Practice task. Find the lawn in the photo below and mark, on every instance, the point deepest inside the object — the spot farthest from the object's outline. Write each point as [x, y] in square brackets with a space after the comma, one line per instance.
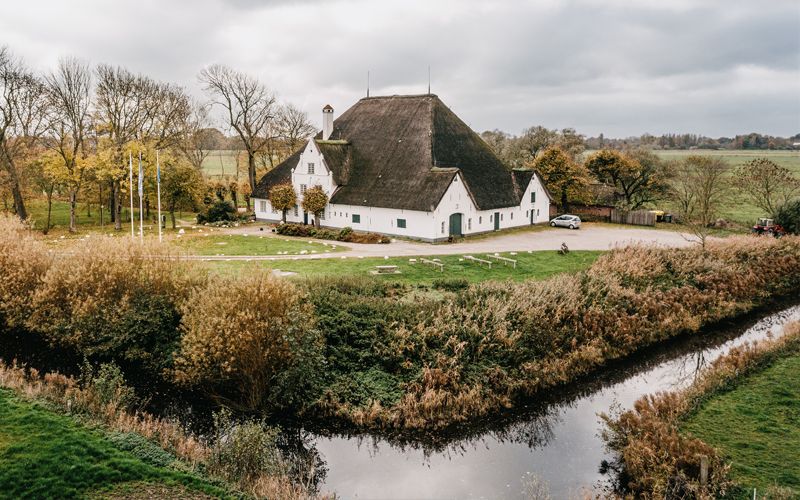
[533, 265]
[47, 455]
[240, 244]
[757, 427]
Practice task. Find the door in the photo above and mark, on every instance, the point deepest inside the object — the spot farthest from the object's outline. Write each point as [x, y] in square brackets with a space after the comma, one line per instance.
[455, 225]
[533, 216]
[305, 217]
[497, 221]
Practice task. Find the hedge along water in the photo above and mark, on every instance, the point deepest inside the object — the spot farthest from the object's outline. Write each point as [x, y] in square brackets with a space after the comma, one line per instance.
[557, 442]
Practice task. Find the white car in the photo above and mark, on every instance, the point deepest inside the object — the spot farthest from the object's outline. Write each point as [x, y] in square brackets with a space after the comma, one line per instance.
[566, 220]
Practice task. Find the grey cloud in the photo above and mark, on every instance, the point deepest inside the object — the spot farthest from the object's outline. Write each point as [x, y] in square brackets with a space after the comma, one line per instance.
[611, 66]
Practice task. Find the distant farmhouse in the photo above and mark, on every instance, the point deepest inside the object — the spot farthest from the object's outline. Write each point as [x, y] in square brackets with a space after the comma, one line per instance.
[406, 166]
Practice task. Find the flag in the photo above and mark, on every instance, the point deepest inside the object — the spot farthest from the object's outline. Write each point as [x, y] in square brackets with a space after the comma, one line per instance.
[158, 170]
[141, 177]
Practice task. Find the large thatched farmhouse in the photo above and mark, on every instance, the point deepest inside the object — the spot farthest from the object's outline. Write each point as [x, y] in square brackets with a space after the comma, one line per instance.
[406, 166]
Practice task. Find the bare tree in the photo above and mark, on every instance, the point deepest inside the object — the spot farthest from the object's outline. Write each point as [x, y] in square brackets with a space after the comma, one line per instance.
[250, 108]
[767, 184]
[700, 189]
[197, 140]
[22, 120]
[70, 122]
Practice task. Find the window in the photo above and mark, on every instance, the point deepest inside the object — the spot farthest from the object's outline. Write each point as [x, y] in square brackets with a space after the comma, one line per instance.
[512, 215]
[302, 188]
[491, 217]
[322, 215]
[533, 196]
[480, 220]
[356, 219]
[526, 214]
[501, 216]
[262, 206]
[310, 168]
[401, 223]
[469, 224]
[296, 210]
[442, 227]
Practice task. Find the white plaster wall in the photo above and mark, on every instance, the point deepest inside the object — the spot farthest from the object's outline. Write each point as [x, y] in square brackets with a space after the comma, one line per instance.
[428, 226]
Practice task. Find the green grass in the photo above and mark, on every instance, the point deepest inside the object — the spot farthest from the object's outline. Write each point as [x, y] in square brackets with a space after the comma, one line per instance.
[757, 427]
[223, 162]
[238, 244]
[47, 455]
[59, 218]
[534, 265]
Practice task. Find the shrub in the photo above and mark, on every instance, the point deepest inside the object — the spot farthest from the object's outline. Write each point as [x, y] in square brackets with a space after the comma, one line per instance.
[242, 451]
[788, 216]
[249, 340]
[113, 301]
[108, 384]
[23, 263]
[345, 234]
[218, 211]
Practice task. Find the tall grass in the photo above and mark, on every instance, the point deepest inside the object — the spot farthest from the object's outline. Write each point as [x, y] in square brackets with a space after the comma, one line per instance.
[481, 350]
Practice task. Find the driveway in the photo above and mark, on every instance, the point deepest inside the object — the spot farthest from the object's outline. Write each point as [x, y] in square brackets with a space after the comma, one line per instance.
[589, 237]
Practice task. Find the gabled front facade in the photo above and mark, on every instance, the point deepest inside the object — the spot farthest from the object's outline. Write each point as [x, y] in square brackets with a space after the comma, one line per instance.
[377, 183]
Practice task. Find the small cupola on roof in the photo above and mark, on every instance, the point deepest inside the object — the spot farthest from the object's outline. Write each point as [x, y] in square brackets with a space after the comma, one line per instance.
[327, 122]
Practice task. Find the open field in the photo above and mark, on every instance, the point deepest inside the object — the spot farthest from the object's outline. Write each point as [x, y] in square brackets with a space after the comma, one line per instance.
[738, 209]
[47, 455]
[243, 244]
[757, 427]
[530, 265]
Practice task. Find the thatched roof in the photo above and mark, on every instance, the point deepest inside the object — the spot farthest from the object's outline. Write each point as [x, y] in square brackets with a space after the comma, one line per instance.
[403, 152]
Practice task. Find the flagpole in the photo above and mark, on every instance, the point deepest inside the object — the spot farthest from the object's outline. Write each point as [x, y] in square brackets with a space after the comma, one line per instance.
[141, 195]
[130, 188]
[158, 189]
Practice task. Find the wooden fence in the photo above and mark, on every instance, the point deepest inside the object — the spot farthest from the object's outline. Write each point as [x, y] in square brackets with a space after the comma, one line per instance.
[636, 218]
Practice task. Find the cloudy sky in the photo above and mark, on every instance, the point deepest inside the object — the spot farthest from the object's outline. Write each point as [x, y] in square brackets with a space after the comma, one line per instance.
[613, 66]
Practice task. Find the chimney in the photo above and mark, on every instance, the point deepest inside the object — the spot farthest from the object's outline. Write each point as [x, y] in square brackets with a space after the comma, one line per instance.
[327, 122]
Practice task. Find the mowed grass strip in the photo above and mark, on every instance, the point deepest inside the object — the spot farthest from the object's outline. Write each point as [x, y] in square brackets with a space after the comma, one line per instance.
[534, 265]
[239, 244]
[47, 455]
[757, 427]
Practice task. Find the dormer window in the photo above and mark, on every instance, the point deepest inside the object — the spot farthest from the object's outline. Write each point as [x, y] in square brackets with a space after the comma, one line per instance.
[310, 168]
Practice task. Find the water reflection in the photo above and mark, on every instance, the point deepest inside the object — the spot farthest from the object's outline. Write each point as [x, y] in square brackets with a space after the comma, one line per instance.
[554, 438]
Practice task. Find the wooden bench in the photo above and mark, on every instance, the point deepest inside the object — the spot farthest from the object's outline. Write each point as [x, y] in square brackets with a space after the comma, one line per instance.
[434, 263]
[505, 260]
[386, 269]
[478, 261]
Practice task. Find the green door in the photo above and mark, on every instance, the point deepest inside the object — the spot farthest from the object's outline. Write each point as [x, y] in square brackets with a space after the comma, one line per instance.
[497, 221]
[455, 225]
